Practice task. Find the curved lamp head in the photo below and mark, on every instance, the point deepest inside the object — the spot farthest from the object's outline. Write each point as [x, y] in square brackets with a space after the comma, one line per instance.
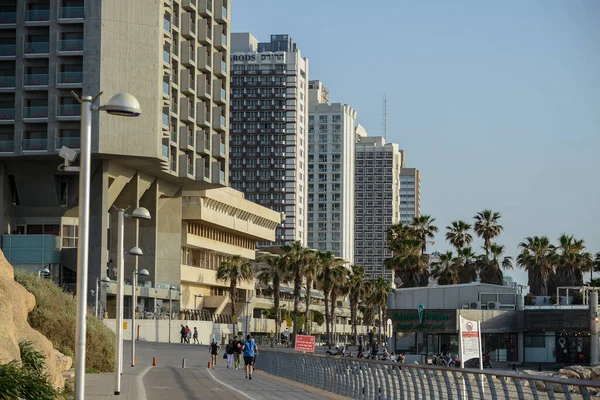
[105, 279]
[45, 270]
[136, 251]
[173, 287]
[144, 272]
[123, 104]
[141, 213]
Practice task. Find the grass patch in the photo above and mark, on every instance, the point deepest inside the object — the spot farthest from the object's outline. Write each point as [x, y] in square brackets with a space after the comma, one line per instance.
[54, 317]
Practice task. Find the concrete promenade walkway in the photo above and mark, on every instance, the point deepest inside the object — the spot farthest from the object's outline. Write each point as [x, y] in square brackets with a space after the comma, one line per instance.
[168, 380]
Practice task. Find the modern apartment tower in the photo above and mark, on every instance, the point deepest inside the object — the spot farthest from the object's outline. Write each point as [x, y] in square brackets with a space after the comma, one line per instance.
[377, 177]
[173, 56]
[269, 114]
[410, 194]
[331, 153]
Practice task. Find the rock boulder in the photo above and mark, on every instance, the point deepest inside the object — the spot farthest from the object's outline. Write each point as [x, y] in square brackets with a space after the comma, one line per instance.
[15, 305]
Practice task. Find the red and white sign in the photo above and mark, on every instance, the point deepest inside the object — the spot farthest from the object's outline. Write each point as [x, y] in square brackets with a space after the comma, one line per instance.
[305, 343]
[470, 340]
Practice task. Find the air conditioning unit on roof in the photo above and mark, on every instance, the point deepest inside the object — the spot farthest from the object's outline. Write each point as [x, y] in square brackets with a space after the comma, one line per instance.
[493, 305]
[475, 305]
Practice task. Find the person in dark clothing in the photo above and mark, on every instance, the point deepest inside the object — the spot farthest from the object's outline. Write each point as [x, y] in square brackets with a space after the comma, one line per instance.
[237, 352]
[230, 350]
[183, 334]
[214, 351]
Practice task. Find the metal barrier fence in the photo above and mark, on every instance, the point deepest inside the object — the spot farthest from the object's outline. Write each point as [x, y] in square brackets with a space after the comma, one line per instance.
[378, 380]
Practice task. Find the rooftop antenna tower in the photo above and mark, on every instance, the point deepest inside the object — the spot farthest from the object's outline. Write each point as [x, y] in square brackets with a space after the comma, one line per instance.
[384, 117]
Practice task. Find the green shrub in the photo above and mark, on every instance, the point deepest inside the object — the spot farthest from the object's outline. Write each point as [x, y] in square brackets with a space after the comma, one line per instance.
[23, 383]
[31, 359]
[54, 317]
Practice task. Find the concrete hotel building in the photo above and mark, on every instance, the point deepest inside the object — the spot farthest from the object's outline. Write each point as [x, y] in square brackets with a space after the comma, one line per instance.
[331, 145]
[410, 194]
[377, 204]
[174, 57]
[269, 113]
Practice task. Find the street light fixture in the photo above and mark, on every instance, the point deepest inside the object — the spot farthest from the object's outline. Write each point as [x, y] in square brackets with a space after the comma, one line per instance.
[136, 251]
[171, 288]
[45, 270]
[104, 279]
[121, 104]
[138, 213]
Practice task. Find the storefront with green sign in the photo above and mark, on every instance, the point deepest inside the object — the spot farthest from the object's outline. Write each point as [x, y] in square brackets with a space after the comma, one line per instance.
[423, 331]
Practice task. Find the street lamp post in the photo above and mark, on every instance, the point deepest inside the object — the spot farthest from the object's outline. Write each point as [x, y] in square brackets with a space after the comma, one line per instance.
[594, 327]
[122, 104]
[144, 272]
[247, 316]
[171, 288]
[138, 213]
[105, 279]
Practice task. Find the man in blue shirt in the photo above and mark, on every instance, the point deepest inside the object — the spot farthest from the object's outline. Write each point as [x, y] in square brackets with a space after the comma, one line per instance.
[250, 351]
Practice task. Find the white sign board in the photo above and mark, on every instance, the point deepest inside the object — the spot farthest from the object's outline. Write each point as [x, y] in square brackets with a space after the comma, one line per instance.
[470, 341]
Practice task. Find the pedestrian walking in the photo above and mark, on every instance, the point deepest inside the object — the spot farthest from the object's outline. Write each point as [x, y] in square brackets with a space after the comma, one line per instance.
[214, 352]
[196, 336]
[188, 334]
[237, 352]
[183, 334]
[230, 350]
[250, 352]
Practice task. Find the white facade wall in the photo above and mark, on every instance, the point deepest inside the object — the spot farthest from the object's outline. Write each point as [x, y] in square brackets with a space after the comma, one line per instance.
[377, 176]
[331, 149]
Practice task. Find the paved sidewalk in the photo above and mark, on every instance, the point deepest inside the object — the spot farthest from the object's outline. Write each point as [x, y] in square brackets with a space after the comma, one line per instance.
[102, 386]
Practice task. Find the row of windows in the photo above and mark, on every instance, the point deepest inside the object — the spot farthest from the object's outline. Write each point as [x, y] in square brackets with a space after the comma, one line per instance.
[323, 119]
[370, 155]
[219, 235]
[323, 226]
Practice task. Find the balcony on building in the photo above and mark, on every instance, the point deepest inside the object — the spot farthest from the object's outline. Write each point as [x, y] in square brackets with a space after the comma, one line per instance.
[36, 77]
[174, 102]
[35, 141]
[220, 94]
[187, 112]
[186, 138]
[203, 169]
[204, 31]
[203, 118]
[68, 109]
[167, 55]
[165, 117]
[7, 77]
[203, 142]
[7, 108]
[220, 65]
[205, 8]
[38, 12]
[218, 174]
[175, 47]
[218, 146]
[70, 138]
[204, 59]
[71, 11]
[221, 11]
[8, 47]
[37, 45]
[167, 23]
[166, 87]
[188, 82]
[219, 122]
[8, 14]
[188, 25]
[189, 5]
[36, 109]
[165, 150]
[173, 159]
[7, 140]
[186, 165]
[70, 43]
[70, 75]
[204, 89]
[221, 37]
[188, 53]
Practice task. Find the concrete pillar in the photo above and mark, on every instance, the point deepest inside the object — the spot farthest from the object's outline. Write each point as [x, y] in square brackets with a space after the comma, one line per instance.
[594, 327]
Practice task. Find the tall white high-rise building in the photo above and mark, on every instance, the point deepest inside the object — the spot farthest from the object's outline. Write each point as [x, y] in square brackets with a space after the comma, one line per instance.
[410, 194]
[377, 204]
[331, 153]
[269, 114]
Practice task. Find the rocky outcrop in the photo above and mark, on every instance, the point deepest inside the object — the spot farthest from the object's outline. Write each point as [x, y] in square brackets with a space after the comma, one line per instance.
[15, 305]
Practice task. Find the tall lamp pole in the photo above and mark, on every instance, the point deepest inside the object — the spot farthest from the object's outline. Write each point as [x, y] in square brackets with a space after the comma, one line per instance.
[122, 104]
[104, 279]
[144, 272]
[171, 288]
[594, 357]
[247, 316]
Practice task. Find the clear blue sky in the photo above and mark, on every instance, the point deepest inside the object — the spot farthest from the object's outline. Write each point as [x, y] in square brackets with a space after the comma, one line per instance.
[497, 103]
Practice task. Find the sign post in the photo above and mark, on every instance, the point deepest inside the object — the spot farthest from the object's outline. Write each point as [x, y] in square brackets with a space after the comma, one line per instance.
[305, 343]
[470, 342]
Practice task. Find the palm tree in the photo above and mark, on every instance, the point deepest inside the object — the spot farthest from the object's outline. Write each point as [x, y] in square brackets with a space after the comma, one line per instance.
[235, 271]
[538, 257]
[398, 231]
[310, 274]
[379, 298]
[296, 259]
[325, 277]
[424, 229]
[572, 261]
[446, 270]
[408, 262]
[339, 277]
[487, 227]
[274, 274]
[366, 309]
[466, 264]
[491, 271]
[356, 288]
[458, 234]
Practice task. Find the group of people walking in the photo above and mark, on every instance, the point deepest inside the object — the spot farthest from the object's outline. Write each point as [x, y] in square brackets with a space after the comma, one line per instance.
[187, 334]
[233, 353]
